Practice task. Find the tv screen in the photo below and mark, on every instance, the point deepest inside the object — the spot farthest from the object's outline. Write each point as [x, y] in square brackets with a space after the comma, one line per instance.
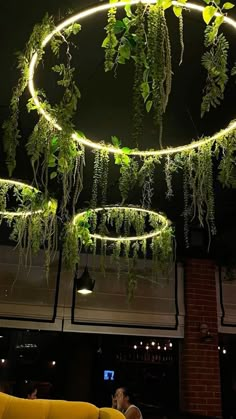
[109, 375]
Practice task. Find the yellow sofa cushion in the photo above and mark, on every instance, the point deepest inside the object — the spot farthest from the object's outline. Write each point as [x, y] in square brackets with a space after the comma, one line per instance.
[14, 408]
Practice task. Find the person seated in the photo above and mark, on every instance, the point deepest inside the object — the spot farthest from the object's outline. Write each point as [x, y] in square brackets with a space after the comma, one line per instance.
[31, 391]
[124, 402]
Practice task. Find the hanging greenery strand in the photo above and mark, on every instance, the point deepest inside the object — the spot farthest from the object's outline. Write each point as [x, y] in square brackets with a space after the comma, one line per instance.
[215, 62]
[139, 63]
[11, 126]
[110, 41]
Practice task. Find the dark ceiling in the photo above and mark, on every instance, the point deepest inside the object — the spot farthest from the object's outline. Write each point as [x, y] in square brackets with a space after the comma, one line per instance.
[105, 107]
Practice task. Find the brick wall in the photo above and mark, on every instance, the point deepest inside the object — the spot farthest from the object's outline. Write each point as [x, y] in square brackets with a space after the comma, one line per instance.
[201, 392]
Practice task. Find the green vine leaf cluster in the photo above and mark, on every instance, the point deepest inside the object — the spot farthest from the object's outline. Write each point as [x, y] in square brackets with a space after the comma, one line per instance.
[215, 62]
[199, 190]
[33, 222]
[121, 223]
[11, 125]
[143, 35]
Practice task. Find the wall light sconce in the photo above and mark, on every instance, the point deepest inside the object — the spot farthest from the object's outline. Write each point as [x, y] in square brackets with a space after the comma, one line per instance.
[206, 336]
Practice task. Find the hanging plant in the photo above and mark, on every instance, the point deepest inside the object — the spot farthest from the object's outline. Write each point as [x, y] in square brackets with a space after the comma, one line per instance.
[146, 228]
[33, 222]
[199, 189]
[56, 149]
[55, 152]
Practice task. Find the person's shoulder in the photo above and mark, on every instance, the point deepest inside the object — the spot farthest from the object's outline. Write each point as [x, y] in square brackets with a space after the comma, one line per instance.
[133, 413]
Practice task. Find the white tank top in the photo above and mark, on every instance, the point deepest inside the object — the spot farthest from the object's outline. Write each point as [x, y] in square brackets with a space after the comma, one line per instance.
[132, 405]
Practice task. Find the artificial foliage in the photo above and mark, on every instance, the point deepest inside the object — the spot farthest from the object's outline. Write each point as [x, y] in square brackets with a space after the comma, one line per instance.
[128, 232]
[143, 37]
[56, 148]
[31, 219]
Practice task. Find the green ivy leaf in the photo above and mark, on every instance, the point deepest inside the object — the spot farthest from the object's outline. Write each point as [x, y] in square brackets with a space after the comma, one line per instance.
[53, 175]
[118, 159]
[119, 26]
[124, 51]
[177, 11]
[126, 150]
[228, 6]
[128, 10]
[145, 89]
[115, 141]
[149, 105]
[219, 20]
[121, 60]
[80, 134]
[167, 4]
[105, 42]
[54, 140]
[208, 13]
[125, 160]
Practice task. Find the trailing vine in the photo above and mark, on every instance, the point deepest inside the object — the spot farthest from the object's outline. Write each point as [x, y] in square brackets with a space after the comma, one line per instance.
[33, 222]
[139, 63]
[198, 183]
[11, 126]
[110, 42]
[119, 224]
[215, 62]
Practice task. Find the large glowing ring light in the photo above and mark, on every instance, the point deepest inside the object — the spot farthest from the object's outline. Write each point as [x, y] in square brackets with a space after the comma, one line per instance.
[161, 218]
[109, 147]
[20, 213]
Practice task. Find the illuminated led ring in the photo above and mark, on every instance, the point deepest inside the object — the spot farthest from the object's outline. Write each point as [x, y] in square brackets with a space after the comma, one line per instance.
[21, 213]
[109, 147]
[161, 218]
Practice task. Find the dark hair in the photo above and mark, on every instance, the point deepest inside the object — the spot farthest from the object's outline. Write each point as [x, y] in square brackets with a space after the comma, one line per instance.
[129, 394]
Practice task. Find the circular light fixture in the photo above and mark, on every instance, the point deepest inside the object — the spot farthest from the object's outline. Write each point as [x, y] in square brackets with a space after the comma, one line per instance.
[20, 186]
[161, 220]
[109, 147]
[135, 347]
[153, 343]
[147, 348]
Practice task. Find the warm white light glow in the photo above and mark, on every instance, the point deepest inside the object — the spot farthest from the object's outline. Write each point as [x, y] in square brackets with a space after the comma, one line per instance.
[90, 12]
[218, 348]
[224, 351]
[141, 343]
[135, 347]
[53, 363]
[158, 347]
[3, 361]
[164, 348]
[147, 348]
[170, 344]
[163, 220]
[21, 185]
[153, 343]
[84, 291]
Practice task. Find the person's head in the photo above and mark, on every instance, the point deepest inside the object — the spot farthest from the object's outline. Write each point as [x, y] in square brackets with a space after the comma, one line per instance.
[32, 391]
[123, 398]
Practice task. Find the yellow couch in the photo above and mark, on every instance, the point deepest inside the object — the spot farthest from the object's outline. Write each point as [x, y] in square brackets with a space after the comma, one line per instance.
[14, 408]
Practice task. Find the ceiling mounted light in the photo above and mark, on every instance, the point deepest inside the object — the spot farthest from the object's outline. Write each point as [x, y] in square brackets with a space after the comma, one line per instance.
[84, 284]
[109, 147]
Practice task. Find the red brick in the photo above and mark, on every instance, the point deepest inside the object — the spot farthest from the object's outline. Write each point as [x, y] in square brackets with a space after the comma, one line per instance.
[200, 360]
